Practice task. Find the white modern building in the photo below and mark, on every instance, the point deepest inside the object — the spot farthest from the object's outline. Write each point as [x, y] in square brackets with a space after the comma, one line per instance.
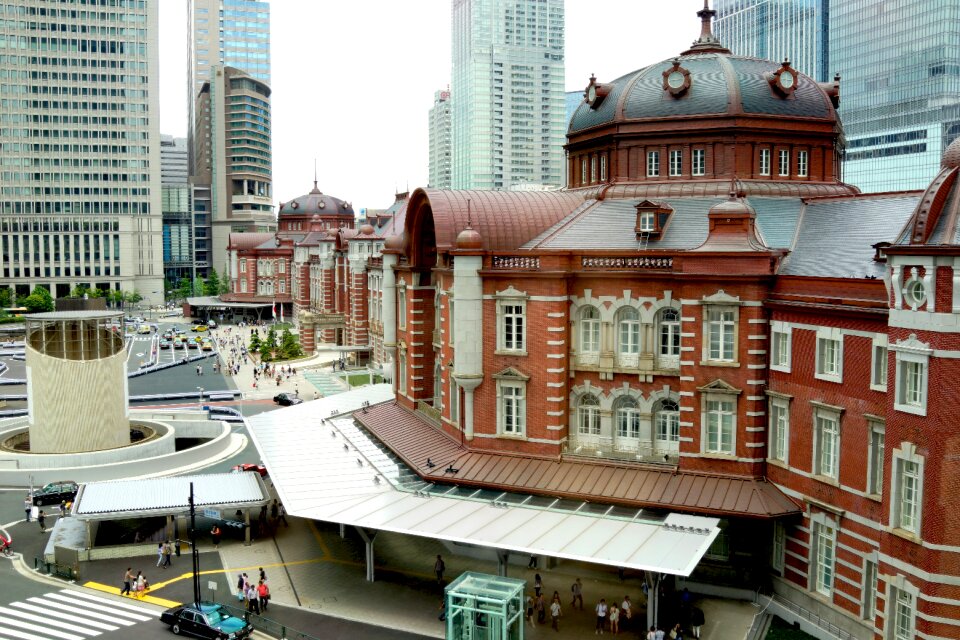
[80, 147]
[439, 170]
[507, 94]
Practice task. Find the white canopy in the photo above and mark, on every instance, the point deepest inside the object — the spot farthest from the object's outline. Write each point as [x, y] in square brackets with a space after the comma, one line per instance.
[325, 467]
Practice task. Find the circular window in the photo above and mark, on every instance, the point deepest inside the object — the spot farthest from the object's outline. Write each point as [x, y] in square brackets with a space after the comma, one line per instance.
[914, 292]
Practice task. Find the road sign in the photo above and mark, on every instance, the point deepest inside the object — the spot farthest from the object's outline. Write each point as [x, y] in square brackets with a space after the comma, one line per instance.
[212, 513]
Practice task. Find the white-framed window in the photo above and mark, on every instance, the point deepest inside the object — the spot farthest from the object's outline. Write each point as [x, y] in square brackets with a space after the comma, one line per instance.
[721, 334]
[402, 306]
[593, 168]
[402, 373]
[628, 332]
[826, 440]
[764, 162]
[648, 221]
[803, 164]
[512, 403]
[243, 286]
[783, 166]
[589, 330]
[720, 425]
[283, 286]
[779, 545]
[243, 266]
[588, 415]
[901, 618]
[437, 386]
[454, 401]
[603, 168]
[451, 318]
[875, 449]
[627, 413]
[653, 164]
[868, 607]
[666, 421]
[437, 317]
[829, 365]
[512, 325]
[676, 162]
[906, 500]
[824, 555]
[878, 364]
[698, 162]
[781, 338]
[668, 338]
[583, 170]
[282, 266]
[912, 368]
[778, 430]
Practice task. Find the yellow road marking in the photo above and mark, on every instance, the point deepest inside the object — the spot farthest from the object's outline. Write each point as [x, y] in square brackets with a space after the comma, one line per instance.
[163, 602]
[208, 572]
[319, 539]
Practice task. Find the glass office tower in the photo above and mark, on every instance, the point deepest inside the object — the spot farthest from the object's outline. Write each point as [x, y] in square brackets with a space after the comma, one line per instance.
[900, 88]
[507, 94]
[439, 161]
[777, 29]
[80, 147]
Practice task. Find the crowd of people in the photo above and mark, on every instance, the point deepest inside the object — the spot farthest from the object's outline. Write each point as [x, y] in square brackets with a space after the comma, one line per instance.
[255, 595]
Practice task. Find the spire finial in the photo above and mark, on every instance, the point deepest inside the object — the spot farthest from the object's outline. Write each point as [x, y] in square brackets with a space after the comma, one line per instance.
[707, 42]
[314, 173]
[469, 221]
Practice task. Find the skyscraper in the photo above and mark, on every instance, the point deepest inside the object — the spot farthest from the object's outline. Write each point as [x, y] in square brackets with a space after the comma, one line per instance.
[507, 93]
[439, 174]
[178, 261]
[898, 62]
[80, 147]
[777, 29]
[229, 56]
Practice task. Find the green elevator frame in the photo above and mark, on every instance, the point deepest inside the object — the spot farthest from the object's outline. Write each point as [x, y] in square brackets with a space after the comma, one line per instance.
[484, 607]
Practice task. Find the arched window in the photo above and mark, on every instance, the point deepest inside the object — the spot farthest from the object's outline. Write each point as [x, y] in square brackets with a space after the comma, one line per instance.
[589, 330]
[588, 415]
[668, 348]
[667, 426]
[628, 332]
[628, 418]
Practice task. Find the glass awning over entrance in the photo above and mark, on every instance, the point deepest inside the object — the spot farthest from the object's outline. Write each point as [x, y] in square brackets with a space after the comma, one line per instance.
[329, 468]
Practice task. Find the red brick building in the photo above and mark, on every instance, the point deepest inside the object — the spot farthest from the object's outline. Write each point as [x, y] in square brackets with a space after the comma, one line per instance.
[708, 321]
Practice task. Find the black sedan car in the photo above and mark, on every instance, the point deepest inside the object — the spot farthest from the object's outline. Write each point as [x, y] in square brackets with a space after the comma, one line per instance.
[55, 493]
[286, 399]
[208, 620]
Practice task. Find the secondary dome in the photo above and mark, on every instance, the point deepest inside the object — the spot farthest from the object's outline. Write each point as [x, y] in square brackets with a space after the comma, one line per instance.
[316, 203]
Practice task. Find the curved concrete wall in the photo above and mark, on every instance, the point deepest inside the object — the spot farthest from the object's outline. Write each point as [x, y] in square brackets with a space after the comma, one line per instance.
[77, 405]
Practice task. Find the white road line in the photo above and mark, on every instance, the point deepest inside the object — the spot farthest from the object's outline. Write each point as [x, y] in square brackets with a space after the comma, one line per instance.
[83, 612]
[24, 636]
[98, 607]
[52, 619]
[114, 603]
[20, 624]
[64, 616]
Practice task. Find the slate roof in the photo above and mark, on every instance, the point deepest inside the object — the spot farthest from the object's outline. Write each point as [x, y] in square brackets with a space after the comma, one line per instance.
[720, 84]
[240, 241]
[836, 235]
[318, 203]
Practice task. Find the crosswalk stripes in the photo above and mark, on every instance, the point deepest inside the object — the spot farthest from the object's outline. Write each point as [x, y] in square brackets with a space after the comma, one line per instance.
[68, 615]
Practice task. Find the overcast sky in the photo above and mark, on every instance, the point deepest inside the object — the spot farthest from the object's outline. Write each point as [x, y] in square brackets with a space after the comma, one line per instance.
[353, 81]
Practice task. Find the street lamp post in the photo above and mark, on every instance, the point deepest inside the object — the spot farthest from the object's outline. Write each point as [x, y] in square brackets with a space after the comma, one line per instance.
[200, 389]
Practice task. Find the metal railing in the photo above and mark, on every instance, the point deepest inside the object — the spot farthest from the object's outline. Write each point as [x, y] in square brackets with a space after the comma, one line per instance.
[267, 625]
[53, 569]
[809, 616]
[618, 449]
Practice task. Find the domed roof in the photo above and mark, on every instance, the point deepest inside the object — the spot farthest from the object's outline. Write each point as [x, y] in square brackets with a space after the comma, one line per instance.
[469, 238]
[951, 157]
[316, 203]
[707, 80]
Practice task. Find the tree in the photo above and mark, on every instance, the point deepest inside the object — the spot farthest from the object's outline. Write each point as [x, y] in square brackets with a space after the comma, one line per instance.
[6, 299]
[38, 301]
[185, 290]
[211, 285]
[271, 342]
[254, 343]
[134, 298]
[115, 298]
[96, 293]
[289, 346]
[197, 289]
[79, 291]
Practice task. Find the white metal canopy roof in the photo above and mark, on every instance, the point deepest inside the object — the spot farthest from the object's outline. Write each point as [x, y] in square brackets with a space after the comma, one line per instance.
[324, 466]
[150, 496]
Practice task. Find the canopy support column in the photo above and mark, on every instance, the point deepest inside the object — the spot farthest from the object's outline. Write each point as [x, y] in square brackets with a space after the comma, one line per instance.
[503, 557]
[368, 537]
[652, 584]
[343, 531]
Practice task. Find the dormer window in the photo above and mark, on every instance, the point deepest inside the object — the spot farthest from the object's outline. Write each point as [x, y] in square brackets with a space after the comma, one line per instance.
[595, 92]
[651, 218]
[784, 80]
[879, 251]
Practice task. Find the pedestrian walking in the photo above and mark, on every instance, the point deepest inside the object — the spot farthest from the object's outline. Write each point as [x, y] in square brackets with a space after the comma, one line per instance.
[601, 616]
[159, 554]
[242, 586]
[215, 534]
[614, 617]
[28, 506]
[626, 609]
[274, 511]
[167, 553]
[142, 584]
[540, 606]
[529, 604]
[263, 575]
[263, 592]
[63, 508]
[438, 568]
[555, 613]
[127, 579]
[283, 515]
[199, 370]
[533, 562]
[577, 589]
[677, 632]
[42, 520]
[253, 600]
[696, 621]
